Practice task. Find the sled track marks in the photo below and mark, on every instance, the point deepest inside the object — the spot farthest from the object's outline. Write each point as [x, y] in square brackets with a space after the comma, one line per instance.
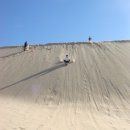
[39, 93]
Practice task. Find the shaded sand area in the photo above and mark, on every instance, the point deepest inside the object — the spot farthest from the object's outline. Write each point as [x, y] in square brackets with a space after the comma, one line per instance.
[37, 92]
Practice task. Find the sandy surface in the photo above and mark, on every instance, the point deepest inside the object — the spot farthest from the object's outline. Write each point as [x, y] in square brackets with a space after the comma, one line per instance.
[37, 92]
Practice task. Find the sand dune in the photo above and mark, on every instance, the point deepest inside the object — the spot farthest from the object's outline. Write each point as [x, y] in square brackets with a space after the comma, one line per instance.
[37, 92]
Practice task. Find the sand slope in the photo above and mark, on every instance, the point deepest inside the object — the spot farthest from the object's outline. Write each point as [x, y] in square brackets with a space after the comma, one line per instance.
[37, 92]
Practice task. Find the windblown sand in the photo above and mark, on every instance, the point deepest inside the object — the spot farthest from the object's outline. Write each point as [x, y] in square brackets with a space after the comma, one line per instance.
[38, 92]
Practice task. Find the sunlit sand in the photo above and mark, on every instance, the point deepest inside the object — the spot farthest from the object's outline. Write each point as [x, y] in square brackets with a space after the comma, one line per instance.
[38, 92]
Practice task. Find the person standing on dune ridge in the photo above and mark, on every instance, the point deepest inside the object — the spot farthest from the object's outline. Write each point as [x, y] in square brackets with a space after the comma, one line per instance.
[89, 39]
[26, 46]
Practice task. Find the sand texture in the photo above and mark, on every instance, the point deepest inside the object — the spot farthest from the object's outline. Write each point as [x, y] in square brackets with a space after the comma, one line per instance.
[38, 92]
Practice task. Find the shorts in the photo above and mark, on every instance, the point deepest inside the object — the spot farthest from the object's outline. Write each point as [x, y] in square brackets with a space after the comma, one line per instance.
[67, 61]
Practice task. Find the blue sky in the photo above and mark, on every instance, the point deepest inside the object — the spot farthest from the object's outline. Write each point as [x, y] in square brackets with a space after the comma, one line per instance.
[45, 21]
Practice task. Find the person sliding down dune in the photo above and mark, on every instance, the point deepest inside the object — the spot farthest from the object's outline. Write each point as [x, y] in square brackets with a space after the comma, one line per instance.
[66, 60]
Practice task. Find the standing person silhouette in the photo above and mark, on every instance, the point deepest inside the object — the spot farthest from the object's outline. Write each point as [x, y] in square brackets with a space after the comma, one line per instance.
[89, 39]
[25, 45]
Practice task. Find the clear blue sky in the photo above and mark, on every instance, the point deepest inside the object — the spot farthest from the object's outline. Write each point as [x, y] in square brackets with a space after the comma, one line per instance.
[45, 21]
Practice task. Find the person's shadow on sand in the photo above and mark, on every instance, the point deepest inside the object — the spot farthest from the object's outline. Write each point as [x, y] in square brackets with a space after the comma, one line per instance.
[13, 54]
[46, 71]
